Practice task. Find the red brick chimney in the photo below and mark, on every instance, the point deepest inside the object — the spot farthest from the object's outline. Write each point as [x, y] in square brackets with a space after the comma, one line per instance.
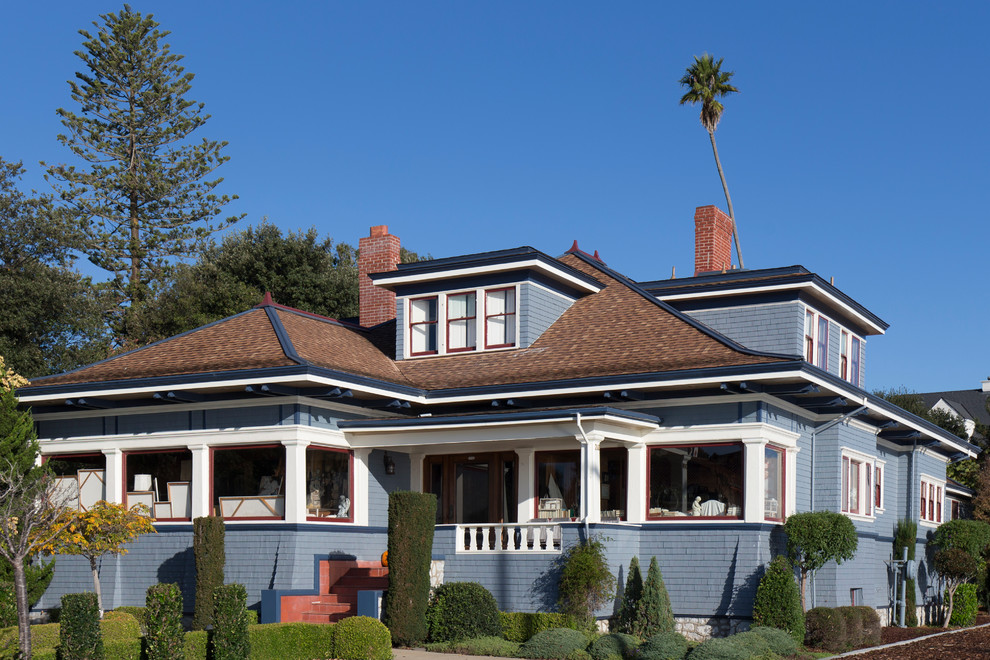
[712, 240]
[377, 253]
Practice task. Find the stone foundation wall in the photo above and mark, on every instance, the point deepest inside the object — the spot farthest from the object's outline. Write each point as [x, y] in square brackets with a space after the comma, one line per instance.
[698, 629]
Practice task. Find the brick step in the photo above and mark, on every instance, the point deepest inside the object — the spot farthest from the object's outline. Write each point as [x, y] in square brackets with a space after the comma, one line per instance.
[366, 583]
[310, 617]
[374, 572]
[328, 608]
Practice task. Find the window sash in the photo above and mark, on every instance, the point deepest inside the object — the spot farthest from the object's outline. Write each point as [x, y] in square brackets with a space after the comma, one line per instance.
[423, 326]
[809, 337]
[856, 348]
[500, 318]
[822, 344]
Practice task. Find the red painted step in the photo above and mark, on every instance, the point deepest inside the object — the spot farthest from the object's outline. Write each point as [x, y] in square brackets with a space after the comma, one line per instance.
[339, 599]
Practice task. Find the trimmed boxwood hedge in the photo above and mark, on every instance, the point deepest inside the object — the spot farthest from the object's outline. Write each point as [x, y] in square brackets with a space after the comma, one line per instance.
[461, 610]
[780, 641]
[411, 520]
[496, 646]
[556, 643]
[613, 644]
[520, 626]
[826, 629]
[80, 637]
[361, 638]
[210, 556]
[663, 646]
[298, 641]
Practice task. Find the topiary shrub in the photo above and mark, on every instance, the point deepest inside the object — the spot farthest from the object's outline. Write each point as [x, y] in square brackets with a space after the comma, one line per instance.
[871, 629]
[138, 613]
[230, 640]
[654, 614]
[613, 644]
[778, 600]
[411, 519]
[721, 648]
[211, 556]
[631, 595]
[815, 538]
[461, 610]
[825, 628]
[121, 636]
[663, 646]
[965, 605]
[585, 580]
[290, 641]
[555, 643]
[362, 638]
[520, 626]
[780, 641]
[80, 637]
[163, 640]
[854, 626]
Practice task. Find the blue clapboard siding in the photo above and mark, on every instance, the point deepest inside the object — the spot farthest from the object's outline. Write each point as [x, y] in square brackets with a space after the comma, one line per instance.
[778, 327]
[539, 308]
[381, 484]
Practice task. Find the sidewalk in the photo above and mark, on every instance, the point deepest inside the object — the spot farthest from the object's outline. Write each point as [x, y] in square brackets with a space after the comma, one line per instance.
[423, 654]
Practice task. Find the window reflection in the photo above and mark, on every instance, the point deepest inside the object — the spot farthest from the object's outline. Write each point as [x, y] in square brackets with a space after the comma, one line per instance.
[701, 481]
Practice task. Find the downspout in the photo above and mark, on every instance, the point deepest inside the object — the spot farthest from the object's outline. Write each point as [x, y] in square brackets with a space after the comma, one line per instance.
[586, 477]
[814, 435]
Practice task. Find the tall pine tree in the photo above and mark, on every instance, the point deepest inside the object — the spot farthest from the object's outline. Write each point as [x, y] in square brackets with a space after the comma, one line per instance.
[631, 595]
[145, 190]
[654, 614]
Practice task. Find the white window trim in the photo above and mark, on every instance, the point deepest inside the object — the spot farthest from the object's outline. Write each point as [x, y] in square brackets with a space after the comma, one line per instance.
[865, 460]
[882, 466]
[479, 321]
[838, 361]
[924, 480]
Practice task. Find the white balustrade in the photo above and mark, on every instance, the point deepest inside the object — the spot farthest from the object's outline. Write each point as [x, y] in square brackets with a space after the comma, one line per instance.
[508, 538]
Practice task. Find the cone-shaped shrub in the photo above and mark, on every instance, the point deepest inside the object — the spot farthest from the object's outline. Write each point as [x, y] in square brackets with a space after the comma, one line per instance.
[778, 600]
[411, 518]
[654, 614]
[631, 596]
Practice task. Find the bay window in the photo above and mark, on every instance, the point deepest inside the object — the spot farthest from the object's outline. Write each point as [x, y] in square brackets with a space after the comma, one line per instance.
[249, 482]
[773, 479]
[161, 480]
[80, 478]
[860, 483]
[328, 484]
[704, 481]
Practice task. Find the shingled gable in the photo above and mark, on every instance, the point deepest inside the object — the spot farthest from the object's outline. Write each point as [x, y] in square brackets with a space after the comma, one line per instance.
[618, 331]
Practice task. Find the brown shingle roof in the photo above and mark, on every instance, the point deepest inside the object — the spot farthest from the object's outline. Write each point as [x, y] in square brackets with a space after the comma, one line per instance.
[617, 331]
[244, 341]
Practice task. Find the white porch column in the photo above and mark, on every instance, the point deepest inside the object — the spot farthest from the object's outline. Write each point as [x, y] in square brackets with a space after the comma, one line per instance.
[636, 492]
[113, 476]
[200, 492]
[753, 479]
[294, 488]
[416, 477]
[790, 480]
[526, 484]
[360, 503]
[591, 482]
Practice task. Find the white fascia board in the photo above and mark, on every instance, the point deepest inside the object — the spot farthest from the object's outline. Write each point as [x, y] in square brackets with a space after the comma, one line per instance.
[724, 433]
[184, 439]
[779, 287]
[534, 264]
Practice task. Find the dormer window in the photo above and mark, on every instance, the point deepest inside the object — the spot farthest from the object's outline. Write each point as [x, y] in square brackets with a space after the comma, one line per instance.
[423, 326]
[464, 327]
[821, 360]
[854, 371]
[809, 336]
[500, 318]
[461, 318]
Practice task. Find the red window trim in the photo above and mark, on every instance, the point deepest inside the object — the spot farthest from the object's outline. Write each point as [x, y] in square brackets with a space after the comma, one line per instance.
[123, 485]
[504, 314]
[213, 451]
[350, 484]
[783, 482]
[877, 487]
[649, 464]
[461, 318]
[433, 323]
[844, 355]
[809, 339]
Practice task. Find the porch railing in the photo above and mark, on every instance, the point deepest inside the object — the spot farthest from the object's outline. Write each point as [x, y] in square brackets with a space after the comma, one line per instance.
[508, 537]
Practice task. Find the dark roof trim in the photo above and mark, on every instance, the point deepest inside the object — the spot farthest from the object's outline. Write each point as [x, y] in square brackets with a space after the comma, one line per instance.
[513, 416]
[726, 282]
[283, 337]
[679, 314]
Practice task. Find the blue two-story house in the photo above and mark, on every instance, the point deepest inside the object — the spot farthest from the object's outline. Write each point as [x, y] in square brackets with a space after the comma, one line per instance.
[541, 399]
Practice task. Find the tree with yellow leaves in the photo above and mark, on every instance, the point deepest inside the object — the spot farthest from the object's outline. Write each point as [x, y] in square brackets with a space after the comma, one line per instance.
[105, 528]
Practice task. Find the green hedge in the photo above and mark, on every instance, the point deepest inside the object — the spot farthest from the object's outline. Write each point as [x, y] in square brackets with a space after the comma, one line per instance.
[361, 638]
[461, 610]
[826, 629]
[964, 605]
[163, 640]
[520, 626]
[411, 520]
[291, 641]
[663, 646]
[496, 646]
[195, 644]
[613, 644]
[722, 648]
[79, 630]
[556, 643]
[210, 556]
[781, 642]
[229, 640]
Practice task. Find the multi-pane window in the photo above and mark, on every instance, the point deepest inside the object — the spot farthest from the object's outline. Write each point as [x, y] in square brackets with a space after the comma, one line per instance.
[423, 326]
[773, 475]
[696, 480]
[861, 484]
[461, 324]
[844, 355]
[809, 336]
[931, 500]
[878, 487]
[500, 318]
[855, 350]
[821, 360]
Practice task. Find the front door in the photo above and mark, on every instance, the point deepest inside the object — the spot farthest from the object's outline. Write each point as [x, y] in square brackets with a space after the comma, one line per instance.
[473, 488]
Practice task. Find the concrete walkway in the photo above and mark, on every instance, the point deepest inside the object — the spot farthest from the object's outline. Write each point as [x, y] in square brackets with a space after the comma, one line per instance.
[423, 654]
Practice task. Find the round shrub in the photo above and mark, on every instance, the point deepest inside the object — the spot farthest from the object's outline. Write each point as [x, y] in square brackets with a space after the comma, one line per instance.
[871, 628]
[138, 613]
[578, 655]
[780, 641]
[663, 646]
[556, 643]
[361, 638]
[117, 625]
[964, 605]
[613, 644]
[778, 601]
[721, 648]
[462, 610]
[757, 646]
[825, 629]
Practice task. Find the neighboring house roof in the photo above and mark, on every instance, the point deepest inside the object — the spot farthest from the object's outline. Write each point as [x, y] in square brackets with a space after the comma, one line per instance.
[970, 404]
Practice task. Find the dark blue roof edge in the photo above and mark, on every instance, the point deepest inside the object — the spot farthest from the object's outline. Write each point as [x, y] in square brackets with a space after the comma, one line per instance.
[698, 325]
[727, 277]
[594, 411]
[135, 350]
[483, 259]
[789, 274]
[283, 337]
[220, 376]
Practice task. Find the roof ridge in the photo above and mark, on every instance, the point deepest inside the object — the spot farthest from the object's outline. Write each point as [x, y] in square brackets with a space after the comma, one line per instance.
[268, 302]
[698, 325]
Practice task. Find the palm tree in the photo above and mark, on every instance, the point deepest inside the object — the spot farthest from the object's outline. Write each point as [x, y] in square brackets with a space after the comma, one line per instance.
[706, 84]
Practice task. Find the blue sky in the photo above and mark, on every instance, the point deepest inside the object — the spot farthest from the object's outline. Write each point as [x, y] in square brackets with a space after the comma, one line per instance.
[857, 146]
